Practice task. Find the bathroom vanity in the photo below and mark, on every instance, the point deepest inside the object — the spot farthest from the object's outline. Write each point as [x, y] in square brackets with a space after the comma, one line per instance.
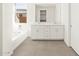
[47, 32]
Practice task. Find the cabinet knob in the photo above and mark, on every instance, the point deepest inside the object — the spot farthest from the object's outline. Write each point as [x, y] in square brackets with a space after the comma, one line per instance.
[70, 25]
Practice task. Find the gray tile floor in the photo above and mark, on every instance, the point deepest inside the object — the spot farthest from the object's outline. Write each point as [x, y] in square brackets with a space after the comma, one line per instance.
[43, 48]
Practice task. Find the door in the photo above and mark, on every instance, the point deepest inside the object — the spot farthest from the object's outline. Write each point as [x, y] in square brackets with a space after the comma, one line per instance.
[75, 27]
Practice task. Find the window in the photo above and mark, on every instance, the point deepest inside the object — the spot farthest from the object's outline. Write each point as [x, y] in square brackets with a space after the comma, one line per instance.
[42, 15]
[21, 15]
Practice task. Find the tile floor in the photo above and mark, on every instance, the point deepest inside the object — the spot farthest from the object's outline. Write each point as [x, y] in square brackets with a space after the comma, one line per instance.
[43, 48]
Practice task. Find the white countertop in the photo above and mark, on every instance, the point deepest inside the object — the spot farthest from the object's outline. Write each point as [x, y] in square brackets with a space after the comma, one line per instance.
[46, 24]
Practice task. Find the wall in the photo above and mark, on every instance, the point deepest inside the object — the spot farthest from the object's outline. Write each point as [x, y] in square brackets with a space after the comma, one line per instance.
[30, 17]
[0, 29]
[75, 26]
[58, 13]
[50, 13]
[8, 17]
[66, 21]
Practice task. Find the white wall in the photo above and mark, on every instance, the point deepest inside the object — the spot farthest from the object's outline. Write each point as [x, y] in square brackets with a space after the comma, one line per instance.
[0, 29]
[75, 26]
[50, 13]
[58, 13]
[7, 28]
[30, 17]
[54, 10]
[66, 21]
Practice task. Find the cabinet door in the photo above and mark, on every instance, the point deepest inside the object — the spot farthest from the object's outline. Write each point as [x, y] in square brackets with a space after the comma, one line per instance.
[44, 31]
[34, 31]
[39, 32]
[57, 32]
[52, 33]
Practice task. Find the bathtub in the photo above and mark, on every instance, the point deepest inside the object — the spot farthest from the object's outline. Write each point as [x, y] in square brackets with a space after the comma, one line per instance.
[18, 38]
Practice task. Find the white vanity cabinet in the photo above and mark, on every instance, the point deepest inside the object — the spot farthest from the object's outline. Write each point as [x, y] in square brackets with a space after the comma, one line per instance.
[47, 32]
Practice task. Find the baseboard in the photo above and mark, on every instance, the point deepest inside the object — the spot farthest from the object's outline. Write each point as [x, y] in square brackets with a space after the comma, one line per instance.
[45, 39]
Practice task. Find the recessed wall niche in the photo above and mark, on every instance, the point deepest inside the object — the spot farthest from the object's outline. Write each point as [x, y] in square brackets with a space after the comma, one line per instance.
[42, 15]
